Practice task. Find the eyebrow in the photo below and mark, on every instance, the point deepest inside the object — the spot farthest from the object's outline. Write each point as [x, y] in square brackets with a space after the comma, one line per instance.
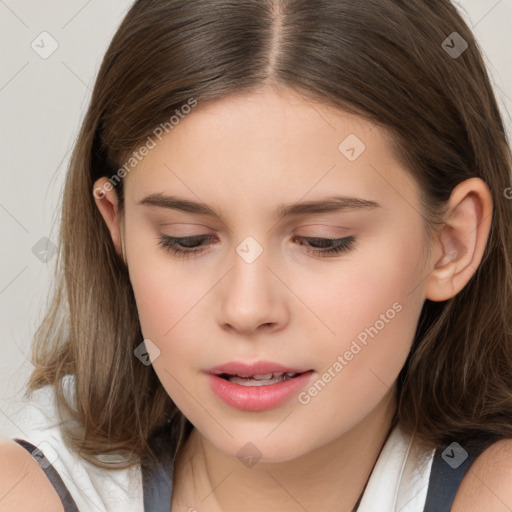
[328, 205]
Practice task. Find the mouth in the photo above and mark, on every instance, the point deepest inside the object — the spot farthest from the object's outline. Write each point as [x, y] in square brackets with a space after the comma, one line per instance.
[266, 379]
[258, 370]
[257, 387]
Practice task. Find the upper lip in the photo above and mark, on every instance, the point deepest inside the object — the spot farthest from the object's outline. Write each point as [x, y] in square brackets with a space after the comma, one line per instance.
[250, 369]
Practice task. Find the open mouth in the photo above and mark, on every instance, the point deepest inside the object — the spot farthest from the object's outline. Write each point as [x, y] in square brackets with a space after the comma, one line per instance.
[259, 391]
[260, 380]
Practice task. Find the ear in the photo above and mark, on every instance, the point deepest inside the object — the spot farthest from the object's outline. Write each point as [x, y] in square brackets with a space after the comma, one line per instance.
[107, 203]
[461, 242]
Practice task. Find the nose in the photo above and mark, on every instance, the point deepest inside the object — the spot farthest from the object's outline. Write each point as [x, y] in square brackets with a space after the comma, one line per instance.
[253, 298]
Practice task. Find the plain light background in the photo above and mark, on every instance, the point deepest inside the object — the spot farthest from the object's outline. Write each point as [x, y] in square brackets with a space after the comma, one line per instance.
[42, 104]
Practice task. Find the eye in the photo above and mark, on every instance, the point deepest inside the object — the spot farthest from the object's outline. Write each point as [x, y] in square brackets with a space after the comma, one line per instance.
[183, 246]
[336, 245]
[188, 246]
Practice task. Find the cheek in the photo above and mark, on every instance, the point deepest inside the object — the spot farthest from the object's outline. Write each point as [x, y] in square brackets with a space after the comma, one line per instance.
[170, 295]
[374, 318]
[165, 288]
[165, 302]
[168, 304]
[370, 306]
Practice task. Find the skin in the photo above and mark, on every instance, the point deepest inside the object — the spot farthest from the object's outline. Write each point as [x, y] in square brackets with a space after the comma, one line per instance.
[244, 156]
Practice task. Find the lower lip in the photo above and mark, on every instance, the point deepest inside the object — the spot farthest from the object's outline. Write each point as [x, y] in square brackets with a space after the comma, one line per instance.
[257, 398]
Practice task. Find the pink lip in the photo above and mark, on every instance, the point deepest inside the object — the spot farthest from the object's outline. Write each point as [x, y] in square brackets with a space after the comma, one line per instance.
[256, 398]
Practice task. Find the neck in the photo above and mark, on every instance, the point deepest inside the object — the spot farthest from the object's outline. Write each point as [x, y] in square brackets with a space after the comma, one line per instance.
[331, 477]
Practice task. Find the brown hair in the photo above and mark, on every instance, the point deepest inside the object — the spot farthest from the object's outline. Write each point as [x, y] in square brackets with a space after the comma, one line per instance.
[380, 59]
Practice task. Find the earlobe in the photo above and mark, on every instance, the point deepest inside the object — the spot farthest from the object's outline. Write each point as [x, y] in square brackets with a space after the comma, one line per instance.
[107, 202]
[461, 241]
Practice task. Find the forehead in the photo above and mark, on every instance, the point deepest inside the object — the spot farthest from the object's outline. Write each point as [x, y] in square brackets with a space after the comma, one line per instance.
[271, 146]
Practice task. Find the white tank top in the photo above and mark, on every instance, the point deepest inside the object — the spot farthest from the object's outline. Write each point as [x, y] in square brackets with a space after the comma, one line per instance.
[399, 480]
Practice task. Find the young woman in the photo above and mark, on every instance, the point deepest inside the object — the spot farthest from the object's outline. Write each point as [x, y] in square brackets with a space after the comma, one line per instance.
[285, 276]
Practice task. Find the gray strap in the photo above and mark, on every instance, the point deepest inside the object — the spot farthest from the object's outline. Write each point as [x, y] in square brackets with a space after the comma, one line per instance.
[157, 477]
[65, 497]
[451, 462]
[157, 487]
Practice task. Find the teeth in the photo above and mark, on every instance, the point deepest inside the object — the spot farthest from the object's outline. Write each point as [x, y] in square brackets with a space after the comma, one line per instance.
[261, 380]
[264, 377]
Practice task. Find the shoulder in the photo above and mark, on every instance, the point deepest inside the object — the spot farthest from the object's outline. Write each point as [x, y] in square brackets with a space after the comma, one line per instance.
[23, 485]
[488, 483]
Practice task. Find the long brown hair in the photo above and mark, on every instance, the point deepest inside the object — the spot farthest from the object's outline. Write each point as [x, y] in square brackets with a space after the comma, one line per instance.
[384, 60]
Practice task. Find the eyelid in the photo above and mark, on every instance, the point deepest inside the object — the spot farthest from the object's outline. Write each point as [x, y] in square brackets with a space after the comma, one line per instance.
[321, 233]
[330, 226]
[341, 245]
[186, 225]
[202, 228]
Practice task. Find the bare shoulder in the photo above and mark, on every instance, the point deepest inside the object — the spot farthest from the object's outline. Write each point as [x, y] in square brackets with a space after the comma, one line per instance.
[23, 485]
[488, 483]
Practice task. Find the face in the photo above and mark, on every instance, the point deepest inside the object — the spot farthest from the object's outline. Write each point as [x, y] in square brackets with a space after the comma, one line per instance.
[257, 286]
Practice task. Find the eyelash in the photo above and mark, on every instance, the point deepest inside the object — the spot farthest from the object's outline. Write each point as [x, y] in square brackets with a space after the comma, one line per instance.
[171, 244]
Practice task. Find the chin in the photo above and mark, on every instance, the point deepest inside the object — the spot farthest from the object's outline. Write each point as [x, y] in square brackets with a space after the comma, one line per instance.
[260, 447]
